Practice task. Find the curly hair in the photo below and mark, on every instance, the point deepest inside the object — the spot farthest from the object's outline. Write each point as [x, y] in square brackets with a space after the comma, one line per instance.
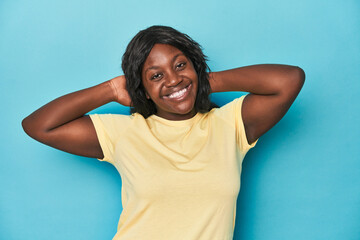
[138, 50]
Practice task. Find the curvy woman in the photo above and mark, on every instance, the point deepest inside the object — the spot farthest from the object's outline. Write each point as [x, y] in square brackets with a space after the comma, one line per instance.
[179, 155]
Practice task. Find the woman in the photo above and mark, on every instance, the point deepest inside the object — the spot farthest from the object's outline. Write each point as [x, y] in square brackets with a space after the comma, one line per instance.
[179, 156]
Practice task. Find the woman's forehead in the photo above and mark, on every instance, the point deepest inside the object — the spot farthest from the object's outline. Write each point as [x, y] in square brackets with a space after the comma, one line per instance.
[162, 54]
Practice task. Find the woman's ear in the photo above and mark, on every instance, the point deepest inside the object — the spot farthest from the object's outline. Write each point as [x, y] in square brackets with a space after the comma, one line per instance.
[147, 95]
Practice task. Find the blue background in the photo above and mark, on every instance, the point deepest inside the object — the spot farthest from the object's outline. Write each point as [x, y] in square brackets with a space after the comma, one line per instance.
[301, 181]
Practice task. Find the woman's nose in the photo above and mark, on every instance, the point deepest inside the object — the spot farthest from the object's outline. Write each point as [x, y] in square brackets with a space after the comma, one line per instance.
[173, 79]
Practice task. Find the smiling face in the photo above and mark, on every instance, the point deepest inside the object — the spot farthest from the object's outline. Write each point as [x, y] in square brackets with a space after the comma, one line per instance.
[171, 82]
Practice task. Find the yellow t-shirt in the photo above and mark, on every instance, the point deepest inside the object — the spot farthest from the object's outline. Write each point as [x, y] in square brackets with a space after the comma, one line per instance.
[180, 179]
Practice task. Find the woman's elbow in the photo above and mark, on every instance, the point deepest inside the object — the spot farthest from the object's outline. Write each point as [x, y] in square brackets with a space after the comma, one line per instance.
[300, 74]
[29, 128]
[296, 79]
[26, 126]
[294, 82]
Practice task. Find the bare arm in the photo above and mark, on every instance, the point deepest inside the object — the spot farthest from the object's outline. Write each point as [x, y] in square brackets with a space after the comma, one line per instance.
[273, 88]
[62, 123]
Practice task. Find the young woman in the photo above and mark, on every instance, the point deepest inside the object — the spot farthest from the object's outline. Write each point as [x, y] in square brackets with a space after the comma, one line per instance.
[179, 156]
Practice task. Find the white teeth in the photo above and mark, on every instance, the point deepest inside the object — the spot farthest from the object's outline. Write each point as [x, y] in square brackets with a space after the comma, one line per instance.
[178, 94]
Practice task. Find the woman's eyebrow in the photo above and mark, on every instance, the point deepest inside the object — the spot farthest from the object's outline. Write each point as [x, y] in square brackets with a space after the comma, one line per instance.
[156, 67]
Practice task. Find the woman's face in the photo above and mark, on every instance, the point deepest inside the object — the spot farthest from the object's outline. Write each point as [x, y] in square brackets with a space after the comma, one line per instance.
[171, 82]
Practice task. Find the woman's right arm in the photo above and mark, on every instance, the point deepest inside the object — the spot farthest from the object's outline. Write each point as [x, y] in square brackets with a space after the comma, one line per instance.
[62, 123]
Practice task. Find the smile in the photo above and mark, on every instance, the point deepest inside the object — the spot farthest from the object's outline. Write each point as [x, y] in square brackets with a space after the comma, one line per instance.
[179, 94]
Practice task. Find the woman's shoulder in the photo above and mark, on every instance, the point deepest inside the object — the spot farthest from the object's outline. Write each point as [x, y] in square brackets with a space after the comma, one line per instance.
[229, 111]
[112, 119]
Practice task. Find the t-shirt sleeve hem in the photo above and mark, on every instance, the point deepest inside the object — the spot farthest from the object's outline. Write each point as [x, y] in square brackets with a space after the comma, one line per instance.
[101, 135]
[245, 144]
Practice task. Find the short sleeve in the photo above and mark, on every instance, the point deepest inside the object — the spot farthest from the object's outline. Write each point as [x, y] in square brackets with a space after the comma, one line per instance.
[232, 113]
[109, 128]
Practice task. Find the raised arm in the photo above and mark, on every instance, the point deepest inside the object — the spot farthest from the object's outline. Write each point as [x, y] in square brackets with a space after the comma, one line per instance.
[272, 87]
[62, 124]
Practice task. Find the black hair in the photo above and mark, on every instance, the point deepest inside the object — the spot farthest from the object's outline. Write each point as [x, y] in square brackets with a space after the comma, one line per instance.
[138, 50]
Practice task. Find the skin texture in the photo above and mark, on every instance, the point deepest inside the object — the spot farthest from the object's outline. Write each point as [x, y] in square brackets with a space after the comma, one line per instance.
[165, 71]
[62, 123]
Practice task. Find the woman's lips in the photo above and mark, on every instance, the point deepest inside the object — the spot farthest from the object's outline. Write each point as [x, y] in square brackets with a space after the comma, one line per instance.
[179, 95]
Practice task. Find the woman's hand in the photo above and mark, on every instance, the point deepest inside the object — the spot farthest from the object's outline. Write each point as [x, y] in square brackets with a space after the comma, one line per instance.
[121, 95]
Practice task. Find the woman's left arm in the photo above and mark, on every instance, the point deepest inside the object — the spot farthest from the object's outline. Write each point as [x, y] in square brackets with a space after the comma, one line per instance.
[272, 87]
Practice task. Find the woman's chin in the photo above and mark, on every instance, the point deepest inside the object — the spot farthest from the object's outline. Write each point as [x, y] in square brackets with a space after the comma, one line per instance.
[185, 110]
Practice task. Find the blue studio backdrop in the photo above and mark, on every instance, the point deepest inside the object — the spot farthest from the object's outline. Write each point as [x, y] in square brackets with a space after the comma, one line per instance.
[301, 181]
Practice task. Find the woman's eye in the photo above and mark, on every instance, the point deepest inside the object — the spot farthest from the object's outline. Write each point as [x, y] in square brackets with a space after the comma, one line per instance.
[181, 65]
[156, 76]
